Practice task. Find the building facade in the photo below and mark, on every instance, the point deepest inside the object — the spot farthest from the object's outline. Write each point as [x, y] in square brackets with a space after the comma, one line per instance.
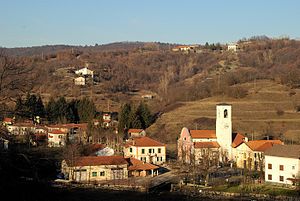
[146, 149]
[282, 164]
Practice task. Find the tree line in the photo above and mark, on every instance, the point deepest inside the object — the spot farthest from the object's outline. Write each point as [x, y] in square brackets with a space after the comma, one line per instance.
[56, 110]
[134, 117]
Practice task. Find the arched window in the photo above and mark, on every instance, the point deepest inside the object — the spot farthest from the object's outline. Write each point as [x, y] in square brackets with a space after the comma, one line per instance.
[225, 113]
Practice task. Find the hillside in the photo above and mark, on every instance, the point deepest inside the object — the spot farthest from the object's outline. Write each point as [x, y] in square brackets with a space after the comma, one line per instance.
[268, 109]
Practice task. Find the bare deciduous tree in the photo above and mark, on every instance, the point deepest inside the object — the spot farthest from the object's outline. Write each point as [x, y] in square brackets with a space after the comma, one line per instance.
[14, 77]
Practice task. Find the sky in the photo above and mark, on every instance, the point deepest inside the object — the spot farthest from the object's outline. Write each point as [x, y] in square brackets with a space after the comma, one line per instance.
[26, 23]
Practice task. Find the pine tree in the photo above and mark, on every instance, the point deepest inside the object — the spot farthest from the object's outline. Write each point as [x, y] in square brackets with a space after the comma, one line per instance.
[124, 118]
[61, 109]
[39, 108]
[86, 110]
[20, 108]
[144, 115]
[51, 111]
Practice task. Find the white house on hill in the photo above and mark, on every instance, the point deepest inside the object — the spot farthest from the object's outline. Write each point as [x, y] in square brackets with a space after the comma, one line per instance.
[85, 71]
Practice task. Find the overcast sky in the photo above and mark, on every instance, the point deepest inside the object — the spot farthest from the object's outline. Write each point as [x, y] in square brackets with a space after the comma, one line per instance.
[86, 22]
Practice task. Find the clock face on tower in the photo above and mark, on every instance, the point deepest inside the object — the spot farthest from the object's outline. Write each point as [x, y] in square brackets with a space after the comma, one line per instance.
[226, 125]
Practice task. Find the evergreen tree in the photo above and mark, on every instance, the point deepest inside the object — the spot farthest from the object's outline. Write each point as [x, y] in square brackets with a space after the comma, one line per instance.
[39, 108]
[86, 110]
[51, 111]
[144, 115]
[20, 108]
[72, 112]
[124, 118]
[61, 109]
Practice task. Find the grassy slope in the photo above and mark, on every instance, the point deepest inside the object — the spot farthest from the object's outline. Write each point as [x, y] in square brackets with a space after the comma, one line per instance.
[255, 114]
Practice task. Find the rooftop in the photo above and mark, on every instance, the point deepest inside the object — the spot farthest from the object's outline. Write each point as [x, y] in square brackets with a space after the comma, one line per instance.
[262, 145]
[100, 160]
[288, 151]
[135, 130]
[203, 133]
[144, 142]
[206, 145]
[135, 164]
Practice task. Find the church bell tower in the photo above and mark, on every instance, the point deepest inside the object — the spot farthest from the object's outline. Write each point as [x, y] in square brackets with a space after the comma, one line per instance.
[224, 129]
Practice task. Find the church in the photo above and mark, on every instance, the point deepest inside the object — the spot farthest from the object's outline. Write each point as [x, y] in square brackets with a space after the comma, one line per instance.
[221, 145]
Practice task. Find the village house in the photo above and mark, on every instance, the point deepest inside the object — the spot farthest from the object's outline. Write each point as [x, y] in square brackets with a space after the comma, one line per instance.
[106, 117]
[233, 47]
[185, 48]
[23, 128]
[138, 168]
[250, 154]
[57, 138]
[76, 132]
[85, 72]
[136, 132]
[282, 164]
[7, 121]
[104, 168]
[80, 81]
[95, 168]
[146, 149]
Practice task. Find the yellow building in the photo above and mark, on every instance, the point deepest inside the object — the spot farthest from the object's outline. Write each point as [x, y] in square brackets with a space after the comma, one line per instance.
[146, 149]
[250, 154]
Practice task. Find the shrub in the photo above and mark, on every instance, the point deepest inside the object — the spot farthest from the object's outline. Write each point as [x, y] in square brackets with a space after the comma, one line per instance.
[237, 92]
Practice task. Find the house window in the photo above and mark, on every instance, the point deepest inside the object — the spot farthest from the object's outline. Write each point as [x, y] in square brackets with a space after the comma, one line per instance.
[269, 166]
[161, 159]
[143, 151]
[60, 136]
[225, 113]
[150, 151]
[94, 174]
[281, 167]
[157, 159]
[293, 167]
[102, 173]
[130, 150]
[159, 150]
[281, 178]
[254, 155]
[269, 177]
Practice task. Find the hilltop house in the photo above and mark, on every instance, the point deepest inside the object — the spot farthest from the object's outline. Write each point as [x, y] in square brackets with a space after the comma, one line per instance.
[145, 149]
[24, 128]
[232, 47]
[79, 81]
[85, 72]
[282, 164]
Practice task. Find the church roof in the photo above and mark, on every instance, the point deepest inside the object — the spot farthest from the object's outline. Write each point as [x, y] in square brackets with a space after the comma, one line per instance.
[203, 134]
[206, 145]
[237, 139]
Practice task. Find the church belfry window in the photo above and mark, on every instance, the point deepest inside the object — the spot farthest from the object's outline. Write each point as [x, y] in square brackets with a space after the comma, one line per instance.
[225, 113]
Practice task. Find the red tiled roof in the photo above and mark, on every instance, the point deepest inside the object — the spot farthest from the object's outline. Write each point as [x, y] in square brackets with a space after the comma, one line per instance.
[238, 139]
[143, 142]
[57, 132]
[135, 164]
[206, 145]
[100, 160]
[135, 130]
[262, 145]
[7, 119]
[203, 133]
